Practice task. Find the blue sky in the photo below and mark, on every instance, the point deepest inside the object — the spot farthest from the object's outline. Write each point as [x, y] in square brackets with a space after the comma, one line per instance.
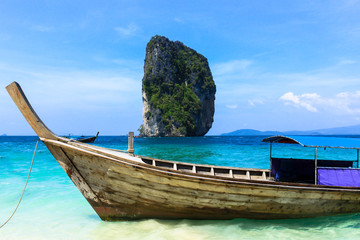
[278, 65]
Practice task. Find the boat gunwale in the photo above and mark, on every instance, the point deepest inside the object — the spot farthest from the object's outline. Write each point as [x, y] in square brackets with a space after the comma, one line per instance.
[99, 148]
[206, 165]
[227, 180]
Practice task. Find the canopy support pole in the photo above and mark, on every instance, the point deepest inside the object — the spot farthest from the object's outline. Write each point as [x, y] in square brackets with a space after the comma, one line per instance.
[357, 158]
[131, 143]
[316, 165]
[270, 160]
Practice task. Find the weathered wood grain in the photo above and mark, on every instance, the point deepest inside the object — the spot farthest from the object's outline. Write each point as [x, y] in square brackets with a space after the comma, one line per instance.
[125, 186]
[138, 191]
[25, 108]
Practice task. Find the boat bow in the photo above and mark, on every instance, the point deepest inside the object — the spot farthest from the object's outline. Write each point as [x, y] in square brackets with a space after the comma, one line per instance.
[28, 112]
[121, 185]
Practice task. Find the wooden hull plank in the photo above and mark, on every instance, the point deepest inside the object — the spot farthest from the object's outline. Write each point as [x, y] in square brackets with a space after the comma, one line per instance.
[123, 186]
[134, 192]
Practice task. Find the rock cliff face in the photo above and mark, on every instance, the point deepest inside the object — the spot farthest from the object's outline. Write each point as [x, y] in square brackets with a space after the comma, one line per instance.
[178, 90]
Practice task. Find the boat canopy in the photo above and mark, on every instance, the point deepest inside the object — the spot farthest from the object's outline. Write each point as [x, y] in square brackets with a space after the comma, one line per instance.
[315, 141]
[322, 172]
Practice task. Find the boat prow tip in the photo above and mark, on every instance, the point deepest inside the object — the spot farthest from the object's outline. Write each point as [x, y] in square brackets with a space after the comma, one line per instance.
[21, 101]
[11, 85]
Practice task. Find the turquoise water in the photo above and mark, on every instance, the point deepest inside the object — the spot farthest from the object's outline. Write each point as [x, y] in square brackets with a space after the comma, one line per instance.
[53, 208]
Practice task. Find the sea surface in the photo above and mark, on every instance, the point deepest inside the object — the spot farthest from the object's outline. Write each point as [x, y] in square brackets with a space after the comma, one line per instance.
[53, 208]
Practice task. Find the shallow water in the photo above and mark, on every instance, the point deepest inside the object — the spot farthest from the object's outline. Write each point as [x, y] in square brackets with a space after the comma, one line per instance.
[53, 208]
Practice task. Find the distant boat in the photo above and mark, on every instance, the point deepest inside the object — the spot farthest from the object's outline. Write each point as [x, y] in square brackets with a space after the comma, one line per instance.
[88, 139]
[123, 186]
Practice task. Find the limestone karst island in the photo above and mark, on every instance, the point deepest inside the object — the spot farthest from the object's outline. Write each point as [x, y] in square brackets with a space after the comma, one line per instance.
[178, 91]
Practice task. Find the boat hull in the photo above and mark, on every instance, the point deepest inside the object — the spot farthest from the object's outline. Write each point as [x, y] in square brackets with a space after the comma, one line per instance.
[121, 186]
[129, 191]
[87, 140]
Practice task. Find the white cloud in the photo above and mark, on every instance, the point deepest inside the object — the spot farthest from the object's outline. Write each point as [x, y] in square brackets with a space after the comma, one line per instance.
[179, 20]
[352, 95]
[347, 62]
[88, 89]
[341, 103]
[103, 99]
[5, 37]
[246, 80]
[41, 28]
[129, 30]
[254, 102]
[234, 106]
[231, 67]
[350, 101]
[304, 100]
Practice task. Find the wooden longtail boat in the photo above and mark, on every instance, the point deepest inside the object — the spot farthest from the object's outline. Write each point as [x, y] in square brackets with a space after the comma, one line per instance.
[88, 140]
[123, 186]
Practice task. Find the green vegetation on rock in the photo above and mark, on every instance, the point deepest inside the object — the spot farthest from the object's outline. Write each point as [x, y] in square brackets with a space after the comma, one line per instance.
[174, 77]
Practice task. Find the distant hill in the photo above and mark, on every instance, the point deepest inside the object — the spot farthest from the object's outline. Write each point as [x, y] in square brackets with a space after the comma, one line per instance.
[3, 135]
[350, 130]
[250, 132]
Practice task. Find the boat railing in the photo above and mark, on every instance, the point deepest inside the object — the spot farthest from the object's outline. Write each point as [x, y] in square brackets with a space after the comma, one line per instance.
[314, 164]
[210, 170]
[321, 162]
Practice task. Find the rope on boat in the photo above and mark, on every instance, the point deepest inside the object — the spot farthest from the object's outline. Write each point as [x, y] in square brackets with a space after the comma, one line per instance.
[27, 180]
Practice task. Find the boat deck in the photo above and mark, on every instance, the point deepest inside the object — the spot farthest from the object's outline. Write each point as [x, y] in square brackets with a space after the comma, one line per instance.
[184, 167]
[120, 185]
[210, 170]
